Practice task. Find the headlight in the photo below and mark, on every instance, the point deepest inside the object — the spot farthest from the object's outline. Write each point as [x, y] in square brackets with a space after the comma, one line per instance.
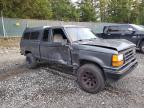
[117, 60]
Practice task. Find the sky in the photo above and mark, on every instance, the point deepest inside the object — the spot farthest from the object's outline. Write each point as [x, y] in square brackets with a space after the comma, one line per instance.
[73, 0]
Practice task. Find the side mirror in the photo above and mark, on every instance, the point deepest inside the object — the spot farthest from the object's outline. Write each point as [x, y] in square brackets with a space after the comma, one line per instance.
[64, 42]
[131, 30]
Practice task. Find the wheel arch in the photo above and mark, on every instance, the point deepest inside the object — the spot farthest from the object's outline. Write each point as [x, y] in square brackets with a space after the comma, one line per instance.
[139, 42]
[95, 62]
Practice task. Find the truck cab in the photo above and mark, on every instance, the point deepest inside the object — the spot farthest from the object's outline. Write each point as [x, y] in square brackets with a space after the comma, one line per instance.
[94, 61]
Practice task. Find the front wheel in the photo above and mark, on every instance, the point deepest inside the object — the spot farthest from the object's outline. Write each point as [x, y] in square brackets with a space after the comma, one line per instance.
[30, 61]
[142, 47]
[90, 78]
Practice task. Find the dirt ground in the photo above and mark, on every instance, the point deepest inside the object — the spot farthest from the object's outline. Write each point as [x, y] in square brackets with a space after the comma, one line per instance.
[9, 42]
[47, 87]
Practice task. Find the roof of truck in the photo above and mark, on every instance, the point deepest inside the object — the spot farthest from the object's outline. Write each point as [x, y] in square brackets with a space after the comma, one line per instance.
[43, 27]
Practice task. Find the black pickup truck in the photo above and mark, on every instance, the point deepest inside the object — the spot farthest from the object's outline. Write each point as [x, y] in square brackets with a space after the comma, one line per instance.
[131, 32]
[94, 61]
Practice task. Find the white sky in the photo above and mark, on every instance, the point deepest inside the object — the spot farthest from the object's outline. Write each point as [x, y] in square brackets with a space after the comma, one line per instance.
[73, 0]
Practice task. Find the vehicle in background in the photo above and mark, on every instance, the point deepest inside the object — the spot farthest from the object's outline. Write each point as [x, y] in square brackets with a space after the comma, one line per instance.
[131, 32]
[94, 61]
[142, 26]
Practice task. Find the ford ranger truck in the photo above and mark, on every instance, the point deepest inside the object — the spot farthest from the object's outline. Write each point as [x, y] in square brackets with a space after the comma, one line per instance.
[94, 61]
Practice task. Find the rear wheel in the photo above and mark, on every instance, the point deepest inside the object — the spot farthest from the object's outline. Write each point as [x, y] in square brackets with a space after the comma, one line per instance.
[90, 78]
[30, 61]
[142, 47]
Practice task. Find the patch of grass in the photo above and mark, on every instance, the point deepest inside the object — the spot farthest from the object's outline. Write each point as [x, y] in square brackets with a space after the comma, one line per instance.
[9, 42]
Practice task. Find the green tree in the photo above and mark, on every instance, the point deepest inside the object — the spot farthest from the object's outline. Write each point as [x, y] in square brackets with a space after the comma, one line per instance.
[141, 13]
[124, 11]
[39, 9]
[87, 11]
[64, 10]
[119, 11]
[102, 5]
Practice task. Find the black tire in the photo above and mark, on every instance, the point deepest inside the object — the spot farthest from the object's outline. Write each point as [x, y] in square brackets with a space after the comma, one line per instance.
[90, 78]
[142, 47]
[30, 61]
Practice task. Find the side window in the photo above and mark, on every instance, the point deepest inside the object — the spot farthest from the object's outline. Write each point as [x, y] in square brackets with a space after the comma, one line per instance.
[34, 35]
[114, 30]
[46, 35]
[26, 35]
[125, 29]
[105, 30]
[59, 35]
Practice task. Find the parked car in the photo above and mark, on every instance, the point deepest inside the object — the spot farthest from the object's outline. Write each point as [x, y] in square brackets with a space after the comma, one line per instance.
[94, 61]
[131, 32]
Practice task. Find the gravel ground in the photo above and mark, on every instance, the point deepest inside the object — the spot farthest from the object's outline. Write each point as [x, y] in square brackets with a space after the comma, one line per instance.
[46, 87]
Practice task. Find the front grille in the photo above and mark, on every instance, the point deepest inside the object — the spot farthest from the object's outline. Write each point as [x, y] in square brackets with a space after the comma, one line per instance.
[129, 56]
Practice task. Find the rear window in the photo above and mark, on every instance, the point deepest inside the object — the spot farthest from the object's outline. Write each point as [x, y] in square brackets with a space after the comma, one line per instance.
[26, 35]
[34, 35]
[31, 35]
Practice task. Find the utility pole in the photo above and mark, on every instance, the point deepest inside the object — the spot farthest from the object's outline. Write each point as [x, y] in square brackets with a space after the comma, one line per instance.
[3, 26]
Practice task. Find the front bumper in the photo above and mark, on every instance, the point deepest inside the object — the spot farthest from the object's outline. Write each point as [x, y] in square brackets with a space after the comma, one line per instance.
[116, 74]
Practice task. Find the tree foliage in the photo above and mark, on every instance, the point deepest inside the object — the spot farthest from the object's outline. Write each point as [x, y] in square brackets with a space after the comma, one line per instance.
[87, 10]
[102, 6]
[123, 11]
[119, 11]
[40, 9]
[64, 10]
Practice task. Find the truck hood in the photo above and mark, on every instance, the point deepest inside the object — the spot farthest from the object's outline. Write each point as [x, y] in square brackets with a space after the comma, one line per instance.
[115, 44]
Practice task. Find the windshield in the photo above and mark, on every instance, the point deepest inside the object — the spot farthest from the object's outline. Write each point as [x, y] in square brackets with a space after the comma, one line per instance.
[138, 27]
[79, 33]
